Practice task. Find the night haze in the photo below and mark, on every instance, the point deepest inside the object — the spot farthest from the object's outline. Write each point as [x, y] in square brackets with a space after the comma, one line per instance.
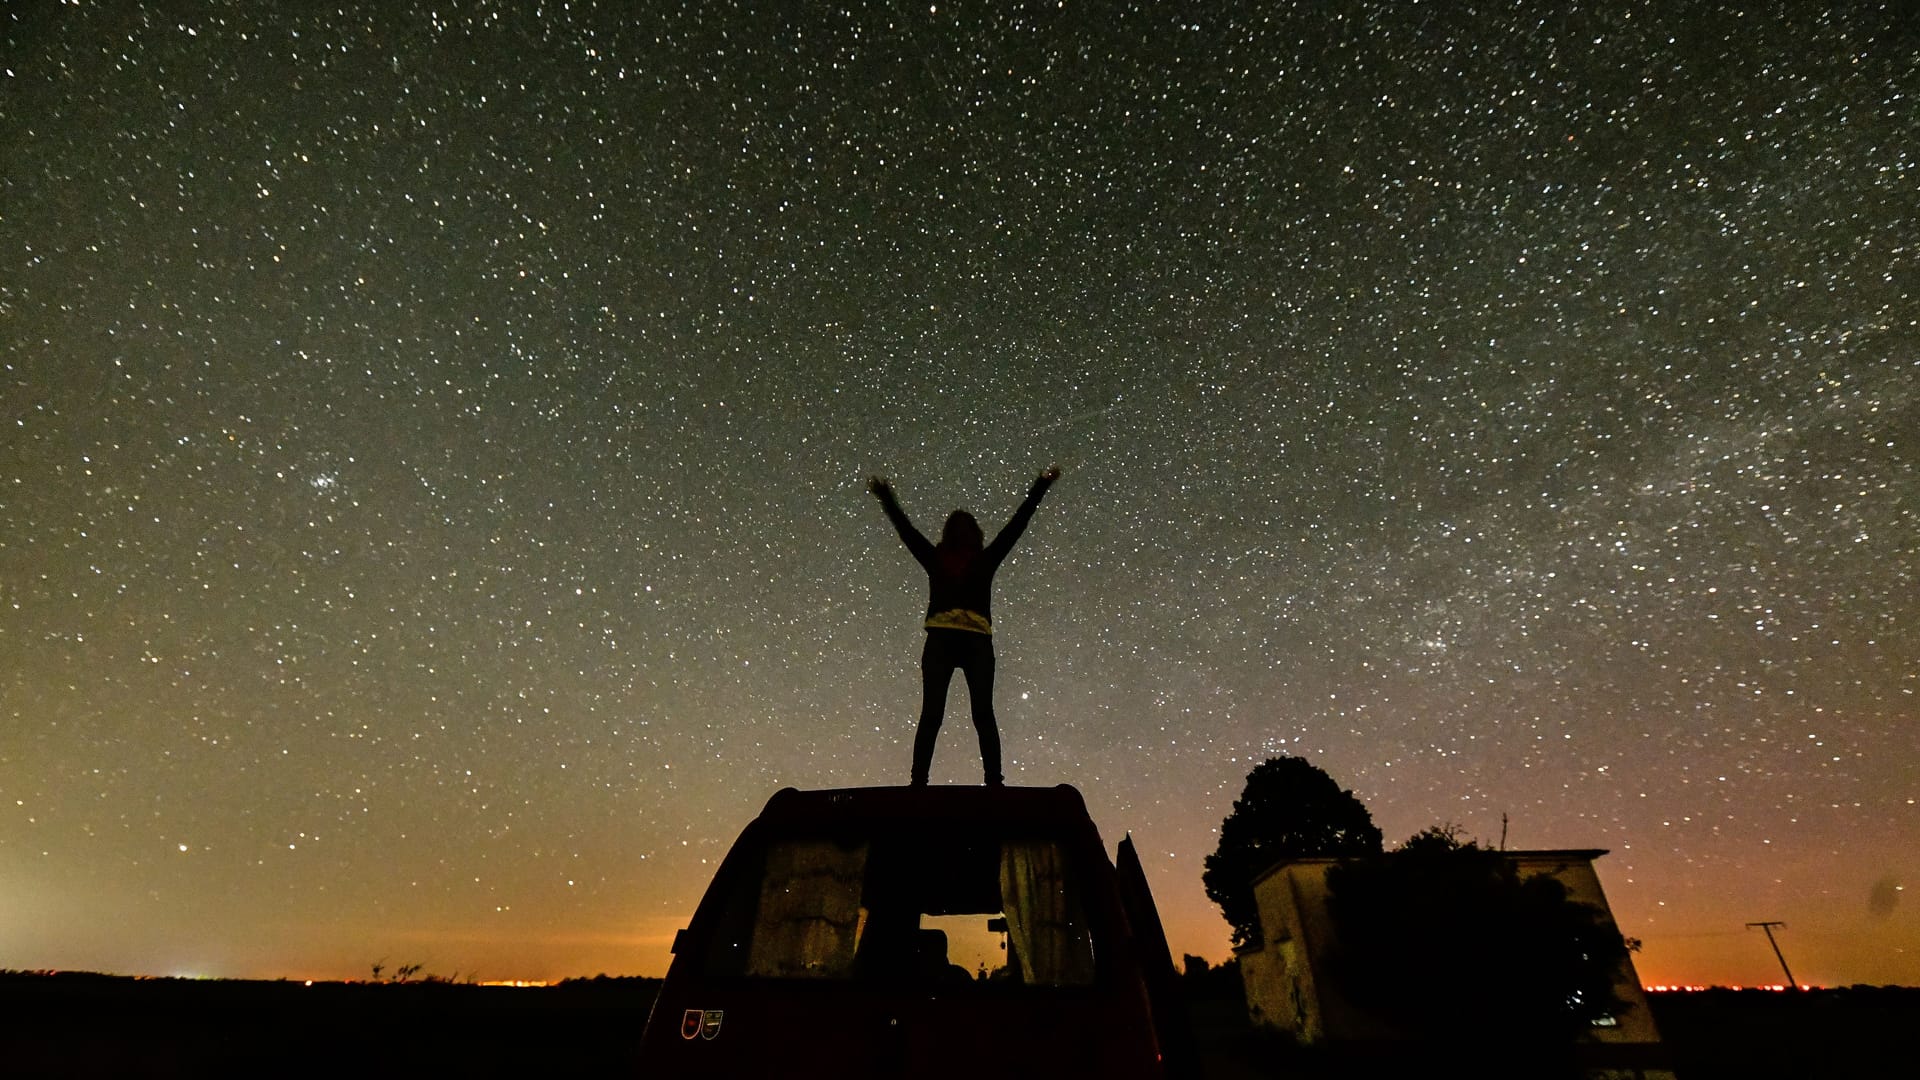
[432, 507]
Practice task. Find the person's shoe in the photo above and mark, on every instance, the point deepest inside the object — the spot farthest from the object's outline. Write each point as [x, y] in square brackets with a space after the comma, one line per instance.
[994, 781]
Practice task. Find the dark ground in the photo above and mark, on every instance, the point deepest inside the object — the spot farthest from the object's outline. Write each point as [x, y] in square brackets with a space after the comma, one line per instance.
[1841, 1034]
[78, 1025]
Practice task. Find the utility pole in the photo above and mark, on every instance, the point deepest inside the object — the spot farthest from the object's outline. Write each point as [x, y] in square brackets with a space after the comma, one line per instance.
[1768, 928]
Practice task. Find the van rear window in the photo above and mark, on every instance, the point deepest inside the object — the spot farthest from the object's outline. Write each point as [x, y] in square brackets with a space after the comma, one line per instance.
[810, 920]
[951, 910]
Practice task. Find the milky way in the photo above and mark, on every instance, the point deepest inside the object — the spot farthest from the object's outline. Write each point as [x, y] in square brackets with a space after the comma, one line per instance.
[432, 510]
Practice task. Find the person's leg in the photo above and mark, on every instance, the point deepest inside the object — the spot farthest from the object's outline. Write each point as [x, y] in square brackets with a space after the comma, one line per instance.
[936, 673]
[978, 666]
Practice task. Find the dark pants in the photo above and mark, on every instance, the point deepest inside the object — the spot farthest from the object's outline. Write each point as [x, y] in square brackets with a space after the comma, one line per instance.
[973, 654]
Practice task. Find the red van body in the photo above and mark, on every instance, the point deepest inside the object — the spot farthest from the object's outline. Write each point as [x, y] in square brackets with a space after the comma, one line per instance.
[919, 932]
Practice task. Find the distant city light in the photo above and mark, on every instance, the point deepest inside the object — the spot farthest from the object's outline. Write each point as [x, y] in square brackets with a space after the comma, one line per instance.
[1694, 988]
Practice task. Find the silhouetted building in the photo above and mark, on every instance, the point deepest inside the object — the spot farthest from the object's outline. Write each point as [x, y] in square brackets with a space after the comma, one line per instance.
[1290, 986]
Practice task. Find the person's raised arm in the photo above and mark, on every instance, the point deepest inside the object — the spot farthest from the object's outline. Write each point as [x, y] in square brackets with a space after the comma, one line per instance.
[1004, 542]
[882, 489]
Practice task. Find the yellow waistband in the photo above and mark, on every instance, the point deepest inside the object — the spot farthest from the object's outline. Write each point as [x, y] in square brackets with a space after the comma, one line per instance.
[959, 619]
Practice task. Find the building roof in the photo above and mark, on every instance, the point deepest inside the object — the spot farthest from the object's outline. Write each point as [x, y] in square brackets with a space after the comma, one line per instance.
[1517, 854]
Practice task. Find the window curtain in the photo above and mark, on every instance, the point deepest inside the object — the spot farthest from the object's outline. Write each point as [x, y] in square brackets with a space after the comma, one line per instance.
[1044, 919]
[809, 918]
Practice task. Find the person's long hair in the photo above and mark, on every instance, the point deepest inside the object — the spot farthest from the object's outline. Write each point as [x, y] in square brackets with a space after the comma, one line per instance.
[960, 538]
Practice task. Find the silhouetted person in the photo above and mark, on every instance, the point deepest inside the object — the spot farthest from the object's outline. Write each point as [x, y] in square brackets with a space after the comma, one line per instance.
[959, 617]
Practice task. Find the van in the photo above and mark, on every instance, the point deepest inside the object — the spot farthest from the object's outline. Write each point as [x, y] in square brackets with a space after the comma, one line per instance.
[921, 932]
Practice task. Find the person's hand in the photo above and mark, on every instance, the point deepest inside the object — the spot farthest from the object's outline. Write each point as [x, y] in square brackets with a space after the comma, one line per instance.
[1052, 474]
[879, 485]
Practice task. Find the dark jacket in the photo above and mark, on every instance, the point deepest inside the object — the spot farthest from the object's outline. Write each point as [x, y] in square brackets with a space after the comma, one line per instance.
[961, 579]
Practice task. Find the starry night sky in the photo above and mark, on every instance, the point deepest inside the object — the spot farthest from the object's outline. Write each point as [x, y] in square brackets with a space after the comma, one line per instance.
[432, 510]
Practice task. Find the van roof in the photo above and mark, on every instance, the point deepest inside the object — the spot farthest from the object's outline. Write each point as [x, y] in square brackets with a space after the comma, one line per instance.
[1059, 806]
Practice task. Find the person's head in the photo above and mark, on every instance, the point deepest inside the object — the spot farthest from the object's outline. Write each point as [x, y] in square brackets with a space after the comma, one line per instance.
[961, 532]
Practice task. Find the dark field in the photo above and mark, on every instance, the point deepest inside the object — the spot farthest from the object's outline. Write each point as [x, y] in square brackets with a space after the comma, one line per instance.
[95, 1026]
[78, 1025]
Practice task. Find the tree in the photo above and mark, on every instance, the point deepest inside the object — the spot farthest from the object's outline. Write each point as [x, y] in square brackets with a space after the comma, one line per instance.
[1442, 933]
[1290, 809]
